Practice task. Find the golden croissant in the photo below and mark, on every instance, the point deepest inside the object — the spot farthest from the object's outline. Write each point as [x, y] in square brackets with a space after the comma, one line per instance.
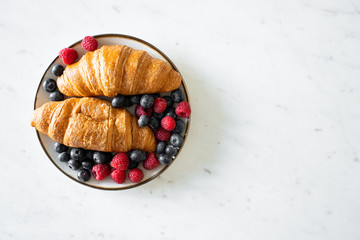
[117, 69]
[93, 124]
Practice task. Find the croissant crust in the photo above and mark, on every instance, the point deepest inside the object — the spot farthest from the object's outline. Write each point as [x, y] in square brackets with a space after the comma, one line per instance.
[117, 69]
[93, 124]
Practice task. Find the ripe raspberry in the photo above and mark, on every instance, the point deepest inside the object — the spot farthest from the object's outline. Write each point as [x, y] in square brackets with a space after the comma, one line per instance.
[183, 109]
[160, 105]
[168, 123]
[120, 161]
[149, 111]
[162, 135]
[119, 176]
[101, 171]
[68, 55]
[139, 111]
[89, 43]
[151, 161]
[136, 175]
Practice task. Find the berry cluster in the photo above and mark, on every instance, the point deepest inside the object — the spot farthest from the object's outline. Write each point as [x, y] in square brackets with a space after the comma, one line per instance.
[49, 84]
[162, 114]
[103, 164]
[70, 55]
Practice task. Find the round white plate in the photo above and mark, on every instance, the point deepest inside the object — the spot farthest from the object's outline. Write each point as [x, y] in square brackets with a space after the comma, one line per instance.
[42, 97]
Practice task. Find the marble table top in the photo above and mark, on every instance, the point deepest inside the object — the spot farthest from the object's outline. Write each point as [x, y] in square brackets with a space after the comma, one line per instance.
[273, 150]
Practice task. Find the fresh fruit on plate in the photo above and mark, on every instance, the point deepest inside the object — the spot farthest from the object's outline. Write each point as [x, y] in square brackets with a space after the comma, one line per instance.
[160, 106]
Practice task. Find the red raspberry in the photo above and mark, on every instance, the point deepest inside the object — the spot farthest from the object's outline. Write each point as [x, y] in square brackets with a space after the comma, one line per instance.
[136, 175]
[120, 161]
[151, 161]
[139, 111]
[168, 123]
[68, 55]
[160, 105]
[119, 176]
[149, 111]
[183, 109]
[101, 171]
[89, 43]
[162, 135]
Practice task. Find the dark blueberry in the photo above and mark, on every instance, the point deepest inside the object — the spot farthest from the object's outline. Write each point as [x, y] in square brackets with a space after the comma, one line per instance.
[132, 164]
[118, 101]
[159, 116]
[137, 156]
[176, 140]
[128, 102]
[147, 101]
[180, 126]
[169, 101]
[160, 147]
[171, 150]
[143, 121]
[101, 157]
[135, 99]
[156, 95]
[84, 175]
[77, 154]
[165, 159]
[87, 164]
[49, 85]
[57, 70]
[58, 147]
[171, 112]
[73, 164]
[64, 157]
[56, 96]
[177, 95]
[89, 155]
[154, 123]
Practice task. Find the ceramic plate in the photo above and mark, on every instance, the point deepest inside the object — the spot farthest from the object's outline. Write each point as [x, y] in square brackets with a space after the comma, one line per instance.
[43, 97]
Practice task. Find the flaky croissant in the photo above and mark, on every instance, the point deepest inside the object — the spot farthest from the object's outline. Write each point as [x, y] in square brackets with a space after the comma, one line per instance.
[93, 124]
[117, 69]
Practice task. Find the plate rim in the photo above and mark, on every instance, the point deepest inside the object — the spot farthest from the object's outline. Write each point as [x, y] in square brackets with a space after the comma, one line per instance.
[185, 131]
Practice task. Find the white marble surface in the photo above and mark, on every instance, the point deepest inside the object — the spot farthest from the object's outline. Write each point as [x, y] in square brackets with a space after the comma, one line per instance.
[273, 151]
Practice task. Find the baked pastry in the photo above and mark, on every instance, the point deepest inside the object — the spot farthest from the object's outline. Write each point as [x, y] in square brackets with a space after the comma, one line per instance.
[93, 124]
[117, 69]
